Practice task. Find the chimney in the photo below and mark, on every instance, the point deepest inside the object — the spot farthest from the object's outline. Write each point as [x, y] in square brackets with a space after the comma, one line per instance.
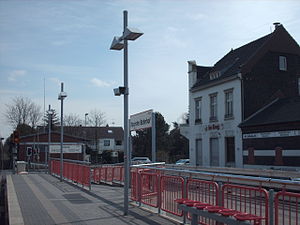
[277, 24]
[192, 71]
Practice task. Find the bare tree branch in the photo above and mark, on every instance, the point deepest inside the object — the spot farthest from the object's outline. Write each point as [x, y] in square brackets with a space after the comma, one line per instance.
[72, 120]
[22, 111]
[96, 118]
[35, 115]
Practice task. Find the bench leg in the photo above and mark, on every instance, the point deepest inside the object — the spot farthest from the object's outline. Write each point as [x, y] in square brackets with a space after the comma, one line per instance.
[194, 219]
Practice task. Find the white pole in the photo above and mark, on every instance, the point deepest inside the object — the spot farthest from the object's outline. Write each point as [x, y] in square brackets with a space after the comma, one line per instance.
[61, 133]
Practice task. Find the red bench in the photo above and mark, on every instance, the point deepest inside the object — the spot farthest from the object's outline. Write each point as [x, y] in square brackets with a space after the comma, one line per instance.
[224, 213]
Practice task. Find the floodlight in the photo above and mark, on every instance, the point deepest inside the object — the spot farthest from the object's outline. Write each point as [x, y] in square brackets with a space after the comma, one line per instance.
[62, 95]
[117, 44]
[119, 91]
[132, 33]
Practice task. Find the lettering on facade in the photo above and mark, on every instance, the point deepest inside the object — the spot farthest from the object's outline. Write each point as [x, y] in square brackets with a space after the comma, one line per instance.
[215, 126]
[287, 133]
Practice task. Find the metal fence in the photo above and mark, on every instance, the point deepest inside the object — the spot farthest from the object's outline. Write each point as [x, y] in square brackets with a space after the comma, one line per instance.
[78, 172]
[159, 188]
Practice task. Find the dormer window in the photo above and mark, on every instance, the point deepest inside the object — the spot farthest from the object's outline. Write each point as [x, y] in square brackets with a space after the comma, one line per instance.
[214, 75]
[109, 131]
[282, 63]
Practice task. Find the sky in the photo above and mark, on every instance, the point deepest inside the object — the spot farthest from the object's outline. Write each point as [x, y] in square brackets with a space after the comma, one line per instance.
[46, 42]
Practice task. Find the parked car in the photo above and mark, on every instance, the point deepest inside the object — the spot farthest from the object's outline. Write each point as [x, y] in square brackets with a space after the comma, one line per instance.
[183, 162]
[136, 160]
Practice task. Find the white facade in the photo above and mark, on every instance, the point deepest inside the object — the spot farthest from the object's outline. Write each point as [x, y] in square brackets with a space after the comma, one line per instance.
[109, 144]
[212, 134]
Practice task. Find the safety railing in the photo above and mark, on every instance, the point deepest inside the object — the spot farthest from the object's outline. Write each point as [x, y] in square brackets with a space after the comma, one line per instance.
[110, 174]
[155, 187]
[75, 171]
[287, 208]
[160, 187]
[203, 191]
[250, 200]
[172, 187]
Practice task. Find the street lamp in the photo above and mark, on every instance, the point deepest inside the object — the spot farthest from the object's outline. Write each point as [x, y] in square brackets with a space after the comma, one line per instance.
[50, 113]
[61, 96]
[120, 43]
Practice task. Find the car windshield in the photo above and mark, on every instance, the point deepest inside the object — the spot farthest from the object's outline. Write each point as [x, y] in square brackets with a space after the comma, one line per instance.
[182, 161]
[140, 159]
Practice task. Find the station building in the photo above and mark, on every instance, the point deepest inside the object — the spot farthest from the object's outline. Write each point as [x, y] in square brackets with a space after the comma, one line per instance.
[246, 105]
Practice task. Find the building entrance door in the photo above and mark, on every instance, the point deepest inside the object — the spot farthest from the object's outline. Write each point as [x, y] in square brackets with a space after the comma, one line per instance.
[230, 151]
[214, 152]
[199, 152]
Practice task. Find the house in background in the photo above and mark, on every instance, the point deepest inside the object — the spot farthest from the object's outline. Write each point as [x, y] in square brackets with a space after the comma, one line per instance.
[80, 143]
[100, 139]
[244, 89]
[34, 147]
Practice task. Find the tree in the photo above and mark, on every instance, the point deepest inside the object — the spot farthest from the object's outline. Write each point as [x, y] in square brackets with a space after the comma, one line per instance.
[142, 140]
[35, 115]
[54, 120]
[72, 120]
[22, 111]
[96, 118]
[179, 145]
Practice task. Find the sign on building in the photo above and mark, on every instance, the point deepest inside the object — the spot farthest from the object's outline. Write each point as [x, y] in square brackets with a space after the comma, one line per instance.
[141, 120]
[75, 148]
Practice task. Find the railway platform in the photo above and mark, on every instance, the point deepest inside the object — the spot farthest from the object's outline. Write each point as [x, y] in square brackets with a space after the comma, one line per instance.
[41, 199]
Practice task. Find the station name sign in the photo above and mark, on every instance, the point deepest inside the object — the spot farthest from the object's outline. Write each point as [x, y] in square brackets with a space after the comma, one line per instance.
[142, 120]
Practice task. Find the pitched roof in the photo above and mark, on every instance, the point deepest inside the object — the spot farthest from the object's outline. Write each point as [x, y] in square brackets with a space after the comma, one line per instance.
[45, 134]
[96, 132]
[281, 111]
[235, 60]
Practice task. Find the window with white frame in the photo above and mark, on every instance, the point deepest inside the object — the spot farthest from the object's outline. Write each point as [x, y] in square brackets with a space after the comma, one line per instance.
[282, 63]
[106, 142]
[198, 106]
[228, 103]
[213, 107]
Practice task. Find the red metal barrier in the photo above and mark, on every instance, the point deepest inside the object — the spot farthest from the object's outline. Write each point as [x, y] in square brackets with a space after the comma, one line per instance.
[86, 175]
[149, 188]
[251, 200]
[203, 191]
[78, 173]
[287, 208]
[103, 174]
[55, 167]
[171, 188]
[118, 173]
[134, 184]
[97, 175]
[109, 174]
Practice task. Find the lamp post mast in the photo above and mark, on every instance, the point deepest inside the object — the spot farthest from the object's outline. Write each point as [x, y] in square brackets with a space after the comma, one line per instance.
[47, 153]
[120, 43]
[126, 102]
[61, 131]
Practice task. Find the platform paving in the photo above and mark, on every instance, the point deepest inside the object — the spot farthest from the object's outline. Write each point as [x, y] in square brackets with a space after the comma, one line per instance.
[41, 199]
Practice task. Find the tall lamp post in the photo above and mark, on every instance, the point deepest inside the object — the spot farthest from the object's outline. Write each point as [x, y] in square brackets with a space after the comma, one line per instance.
[120, 43]
[61, 96]
[47, 153]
